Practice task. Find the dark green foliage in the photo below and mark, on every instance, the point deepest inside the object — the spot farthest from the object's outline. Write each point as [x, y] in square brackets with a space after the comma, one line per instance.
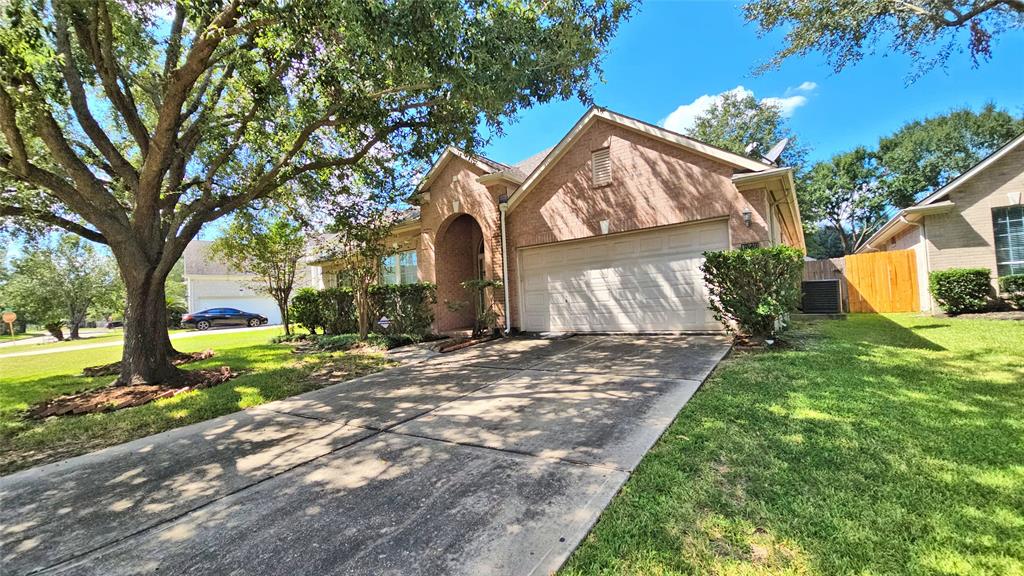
[339, 310]
[1013, 287]
[409, 307]
[175, 310]
[752, 290]
[960, 290]
[308, 311]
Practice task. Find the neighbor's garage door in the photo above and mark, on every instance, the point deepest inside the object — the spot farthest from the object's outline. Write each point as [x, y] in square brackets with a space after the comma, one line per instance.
[636, 282]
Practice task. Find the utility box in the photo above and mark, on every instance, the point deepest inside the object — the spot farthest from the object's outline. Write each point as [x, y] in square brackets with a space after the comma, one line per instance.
[821, 297]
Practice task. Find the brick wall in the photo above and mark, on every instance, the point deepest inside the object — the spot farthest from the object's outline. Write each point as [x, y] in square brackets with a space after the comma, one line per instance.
[964, 238]
[448, 244]
[653, 184]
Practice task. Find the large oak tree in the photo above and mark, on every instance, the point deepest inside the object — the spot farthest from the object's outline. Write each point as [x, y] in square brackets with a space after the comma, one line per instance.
[134, 124]
[929, 31]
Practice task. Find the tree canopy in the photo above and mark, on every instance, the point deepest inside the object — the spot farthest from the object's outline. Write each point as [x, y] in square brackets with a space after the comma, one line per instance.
[846, 193]
[135, 124]
[60, 282]
[925, 155]
[738, 120]
[845, 30]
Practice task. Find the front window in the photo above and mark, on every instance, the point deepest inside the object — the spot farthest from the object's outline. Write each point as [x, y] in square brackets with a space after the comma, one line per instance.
[399, 268]
[1008, 223]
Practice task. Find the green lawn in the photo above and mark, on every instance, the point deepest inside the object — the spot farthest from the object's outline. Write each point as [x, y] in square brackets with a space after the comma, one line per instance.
[269, 372]
[880, 445]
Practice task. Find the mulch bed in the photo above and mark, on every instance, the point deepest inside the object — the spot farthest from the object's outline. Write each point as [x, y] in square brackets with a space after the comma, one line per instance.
[114, 368]
[113, 397]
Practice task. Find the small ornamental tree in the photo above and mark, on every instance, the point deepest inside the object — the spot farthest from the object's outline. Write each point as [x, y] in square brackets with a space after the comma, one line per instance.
[360, 245]
[752, 290]
[959, 290]
[270, 250]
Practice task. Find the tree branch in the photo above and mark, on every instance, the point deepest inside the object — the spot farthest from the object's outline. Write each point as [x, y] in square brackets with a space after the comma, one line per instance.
[80, 105]
[101, 56]
[54, 220]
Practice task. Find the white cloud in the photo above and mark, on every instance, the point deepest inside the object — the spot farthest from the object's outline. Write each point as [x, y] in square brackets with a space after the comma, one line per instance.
[786, 105]
[682, 118]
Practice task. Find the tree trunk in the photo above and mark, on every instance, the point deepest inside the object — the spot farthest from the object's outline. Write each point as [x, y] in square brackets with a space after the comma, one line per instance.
[148, 353]
[363, 311]
[73, 330]
[75, 322]
[283, 309]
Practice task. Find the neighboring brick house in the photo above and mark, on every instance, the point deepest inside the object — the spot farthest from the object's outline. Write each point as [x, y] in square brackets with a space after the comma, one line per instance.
[603, 233]
[975, 221]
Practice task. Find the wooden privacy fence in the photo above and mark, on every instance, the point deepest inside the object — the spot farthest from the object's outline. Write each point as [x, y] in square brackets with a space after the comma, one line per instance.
[872, 282]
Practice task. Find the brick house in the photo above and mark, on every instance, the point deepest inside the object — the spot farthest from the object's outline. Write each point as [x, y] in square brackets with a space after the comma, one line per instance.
[975, 221]
[602, 233]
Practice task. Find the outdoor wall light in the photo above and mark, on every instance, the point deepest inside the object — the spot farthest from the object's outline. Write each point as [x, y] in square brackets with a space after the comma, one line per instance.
[747, 215]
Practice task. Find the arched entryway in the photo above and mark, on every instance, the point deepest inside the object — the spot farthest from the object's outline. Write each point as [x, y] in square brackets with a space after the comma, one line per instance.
[460, 256]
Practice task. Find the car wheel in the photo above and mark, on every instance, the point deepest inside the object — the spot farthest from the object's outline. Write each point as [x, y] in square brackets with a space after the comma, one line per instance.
[203, 325]
[254, 322]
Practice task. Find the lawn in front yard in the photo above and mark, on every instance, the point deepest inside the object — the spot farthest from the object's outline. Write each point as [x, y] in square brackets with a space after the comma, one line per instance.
[880, 445]
[268, 372]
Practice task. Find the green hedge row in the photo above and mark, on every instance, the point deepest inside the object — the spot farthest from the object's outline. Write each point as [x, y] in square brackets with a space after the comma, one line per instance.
[409, 307]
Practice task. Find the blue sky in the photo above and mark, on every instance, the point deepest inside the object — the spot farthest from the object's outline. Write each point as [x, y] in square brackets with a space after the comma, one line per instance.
[672, 53]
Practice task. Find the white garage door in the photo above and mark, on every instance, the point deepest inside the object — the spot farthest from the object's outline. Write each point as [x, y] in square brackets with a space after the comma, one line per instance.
[264, 306]
[638, 282]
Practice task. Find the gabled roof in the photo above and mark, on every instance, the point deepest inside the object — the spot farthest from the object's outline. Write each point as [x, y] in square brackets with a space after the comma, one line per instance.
[482, 162]
[598, 114]
[900, 221]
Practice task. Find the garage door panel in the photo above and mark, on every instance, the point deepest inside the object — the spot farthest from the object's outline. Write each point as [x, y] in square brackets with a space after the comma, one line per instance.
[647, 281]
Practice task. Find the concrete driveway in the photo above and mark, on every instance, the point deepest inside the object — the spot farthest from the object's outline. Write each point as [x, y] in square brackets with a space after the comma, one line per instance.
[493, 460]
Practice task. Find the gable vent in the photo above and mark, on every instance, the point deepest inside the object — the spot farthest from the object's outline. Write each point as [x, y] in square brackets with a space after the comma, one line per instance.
[600, 167]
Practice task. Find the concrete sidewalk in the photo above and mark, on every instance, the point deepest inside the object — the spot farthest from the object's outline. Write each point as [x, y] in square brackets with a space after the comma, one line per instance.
[493, 460]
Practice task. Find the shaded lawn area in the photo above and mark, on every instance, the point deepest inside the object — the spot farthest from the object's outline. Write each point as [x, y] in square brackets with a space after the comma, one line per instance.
[882, 445]
[269, 372]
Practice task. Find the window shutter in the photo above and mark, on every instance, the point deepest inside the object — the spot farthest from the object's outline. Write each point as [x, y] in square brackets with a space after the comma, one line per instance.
[600, 167]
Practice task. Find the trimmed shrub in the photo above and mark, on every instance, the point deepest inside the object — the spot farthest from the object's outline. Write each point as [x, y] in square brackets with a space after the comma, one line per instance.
[339, 311]
[959, 290]
[752, 289]
[409, 307]
[1013, 287]
[307, 310]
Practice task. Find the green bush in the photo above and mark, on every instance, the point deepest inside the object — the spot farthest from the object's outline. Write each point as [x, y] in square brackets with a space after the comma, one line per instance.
[959, 290]
[751, 290]
[1013, 287]
[339, 311]
[307, 310]
[409, 307]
